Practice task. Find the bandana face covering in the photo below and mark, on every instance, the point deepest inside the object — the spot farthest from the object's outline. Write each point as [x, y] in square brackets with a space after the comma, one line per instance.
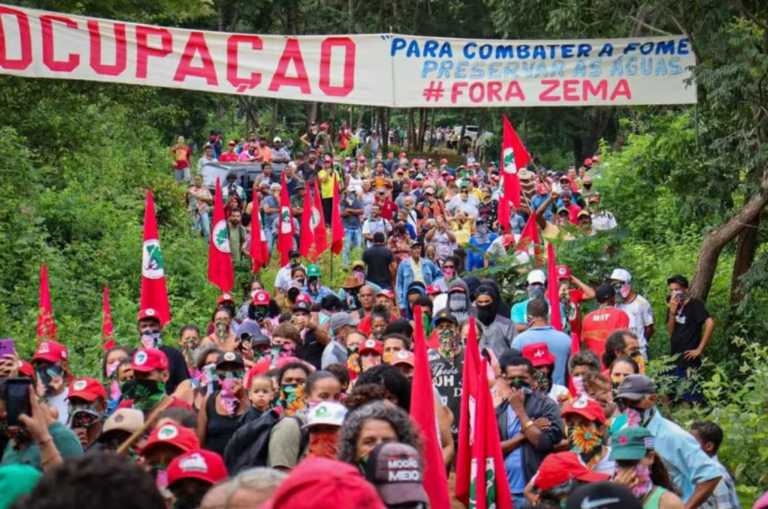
[50, 378]
[228, 396]
[187, 348]
[221, 329]
[450, 345]
[587, 442]
[151, 340]
[638, 358]
[20, 436]
[578, 384]
[643, 475]
[83, 417]
[542, 382]
[637, 417]
[292, 399]
[146, 394]
[323, 444]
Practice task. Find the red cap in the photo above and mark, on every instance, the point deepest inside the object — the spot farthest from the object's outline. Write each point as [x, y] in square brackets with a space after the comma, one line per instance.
[402, 155]
[563, 272]
[149, 313]
[507, 240]
[386, 293]
[328, 158]
[303, 297]
[414, 161]
[226, 297]
[403, 357]
[562, 467]
[197, 464]
[371, 345]
[149, 359]
[449, 179]
[538, 354]
[587, 408]
[587, 162]
[50, 351]
[172, 434]
[347, 159]
[88, 389]
[325, 483]
[541, 189]
[433, 290]
[443, 161]
[261, 298]
[361, 159]
[323, 126]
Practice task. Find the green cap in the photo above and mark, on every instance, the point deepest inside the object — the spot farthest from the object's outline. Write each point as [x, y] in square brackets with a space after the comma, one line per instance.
[313, 270]
[16, 480]
[631, 443]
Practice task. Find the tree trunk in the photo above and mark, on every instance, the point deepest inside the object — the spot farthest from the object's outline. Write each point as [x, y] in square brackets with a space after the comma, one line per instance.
[312, 113]
[273, 121]
[332, 120]
[746, 249]
[717, 239]
[409, 133]
[464, 121]
[351, 114]
[478, 148]
[360, 119]
[385, 131]
[422, 128]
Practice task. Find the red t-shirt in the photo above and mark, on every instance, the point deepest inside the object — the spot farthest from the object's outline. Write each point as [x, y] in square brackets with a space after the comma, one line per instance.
[599, 324]
[388, 209]
[228, 157]
[577, 296]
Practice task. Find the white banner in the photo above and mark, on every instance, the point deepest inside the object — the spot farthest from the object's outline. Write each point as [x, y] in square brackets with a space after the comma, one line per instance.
[377, 70]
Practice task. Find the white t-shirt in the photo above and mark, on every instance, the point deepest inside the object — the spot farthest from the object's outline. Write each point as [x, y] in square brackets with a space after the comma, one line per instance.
[640, 315]
[60, 403]
[371, 226]
[604, 221]
[284, 277]
[556, 391]
[605, 466]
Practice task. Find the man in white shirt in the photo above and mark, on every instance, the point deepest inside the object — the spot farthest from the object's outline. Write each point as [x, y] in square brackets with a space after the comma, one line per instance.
[374, 224]
[635, 306]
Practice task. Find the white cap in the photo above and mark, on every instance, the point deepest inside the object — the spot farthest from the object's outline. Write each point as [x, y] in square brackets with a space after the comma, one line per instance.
[277, 140]
[292, 165]
[326, 414]
[536, 276]
[621, 275]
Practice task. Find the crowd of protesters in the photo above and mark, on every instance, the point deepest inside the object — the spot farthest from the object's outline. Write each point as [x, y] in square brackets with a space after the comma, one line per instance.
[300, 395]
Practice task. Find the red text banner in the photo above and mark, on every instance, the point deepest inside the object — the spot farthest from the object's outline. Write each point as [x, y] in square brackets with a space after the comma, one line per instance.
[378, 70]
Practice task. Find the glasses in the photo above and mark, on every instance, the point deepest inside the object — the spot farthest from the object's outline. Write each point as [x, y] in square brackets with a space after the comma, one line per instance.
[448, 266]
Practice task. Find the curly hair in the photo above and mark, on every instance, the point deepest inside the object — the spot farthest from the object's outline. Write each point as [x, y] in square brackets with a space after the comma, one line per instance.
[94, 482]
[360, 396]
[396, 417]
[393, 382]
[586, 358]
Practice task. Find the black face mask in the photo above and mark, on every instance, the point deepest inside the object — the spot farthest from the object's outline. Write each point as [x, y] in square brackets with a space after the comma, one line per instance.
[486, 314]
[188, 501]
[587, 186]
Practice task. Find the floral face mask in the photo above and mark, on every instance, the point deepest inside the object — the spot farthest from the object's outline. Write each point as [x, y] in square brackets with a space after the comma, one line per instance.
[292, 399]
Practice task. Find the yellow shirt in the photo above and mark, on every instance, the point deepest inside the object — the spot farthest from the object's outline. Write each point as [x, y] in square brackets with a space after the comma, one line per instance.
[477, 194]
[463, 233]
[326, 188]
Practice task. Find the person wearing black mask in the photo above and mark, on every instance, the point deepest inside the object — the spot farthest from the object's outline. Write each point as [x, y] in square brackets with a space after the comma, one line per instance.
[529, 423]
[150, 337]
[498, 330]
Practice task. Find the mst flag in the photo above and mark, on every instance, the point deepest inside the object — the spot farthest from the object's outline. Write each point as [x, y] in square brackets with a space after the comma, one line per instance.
[320, 233]
[530, 241]
[307, 232]
[221, 271]
[258, 249]
[467, 419]
[46, 326]
[154, 294]
[423, 414]
[514, 157]
[553, 290]
[107, 332]
[337, 227]
[285, 229]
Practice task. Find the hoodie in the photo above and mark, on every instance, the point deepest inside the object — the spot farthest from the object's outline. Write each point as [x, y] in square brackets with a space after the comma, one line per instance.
[422, 292]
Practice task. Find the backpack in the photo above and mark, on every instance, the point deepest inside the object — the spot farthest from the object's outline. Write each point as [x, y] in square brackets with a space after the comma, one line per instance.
[249, 446]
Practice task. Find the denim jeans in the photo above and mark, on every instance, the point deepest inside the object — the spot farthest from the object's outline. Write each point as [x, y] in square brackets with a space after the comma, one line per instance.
[353, 238]
[203, 222]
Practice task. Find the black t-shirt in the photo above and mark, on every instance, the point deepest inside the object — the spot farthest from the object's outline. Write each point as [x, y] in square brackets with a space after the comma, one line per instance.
[309, 171]
[377, 259]
[311, 350]
[178, 371]
[447, 379]
[686, 334]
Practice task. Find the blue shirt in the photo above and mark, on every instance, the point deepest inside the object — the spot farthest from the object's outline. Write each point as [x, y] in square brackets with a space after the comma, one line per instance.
[513, 463]
[520, 312]
[687, 464]
[351, 221]
[558, 342]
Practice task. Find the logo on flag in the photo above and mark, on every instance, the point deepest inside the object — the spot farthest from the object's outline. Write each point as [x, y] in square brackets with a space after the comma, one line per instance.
[315, 220]
[285, 220]
[509, 161]
[152, 265]
[221, 236]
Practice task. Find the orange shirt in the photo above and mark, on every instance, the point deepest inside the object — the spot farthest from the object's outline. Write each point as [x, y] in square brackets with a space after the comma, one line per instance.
[266, 154]
[599, 324]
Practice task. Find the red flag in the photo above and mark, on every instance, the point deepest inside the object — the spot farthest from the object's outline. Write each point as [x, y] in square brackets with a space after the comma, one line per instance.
[337, 228]
[530, 241]
[221, 271]
[487, 460]
[467, 419]
[504, 210]
[318, 225]
[107, 332]
[514, 158]
[423, 414]
[46, 326]
[258, 249]
[553, 290]
[154, 294]
[285, 232]
[307, 233]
